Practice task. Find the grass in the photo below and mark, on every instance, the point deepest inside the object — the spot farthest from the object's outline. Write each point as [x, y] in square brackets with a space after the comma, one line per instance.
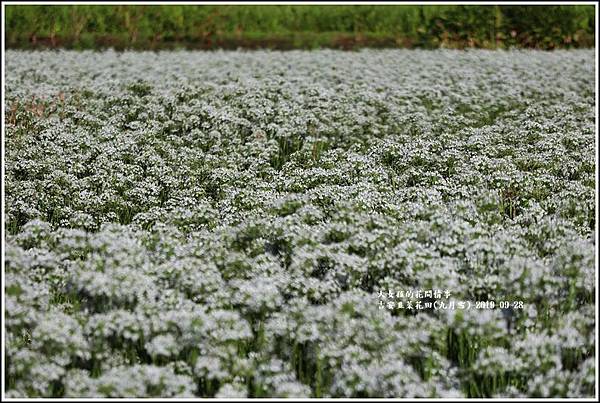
[297, 26]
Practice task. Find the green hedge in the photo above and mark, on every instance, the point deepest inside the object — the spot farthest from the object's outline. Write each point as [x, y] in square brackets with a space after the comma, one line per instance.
[91, 26]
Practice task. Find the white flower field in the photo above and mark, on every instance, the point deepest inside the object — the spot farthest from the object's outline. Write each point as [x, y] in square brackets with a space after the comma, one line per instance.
[229, 224]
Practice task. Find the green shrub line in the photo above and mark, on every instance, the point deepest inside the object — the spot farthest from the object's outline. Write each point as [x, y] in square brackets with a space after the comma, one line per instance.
[298, 26]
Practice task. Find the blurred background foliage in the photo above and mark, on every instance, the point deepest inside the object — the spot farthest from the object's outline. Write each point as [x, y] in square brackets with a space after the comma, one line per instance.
[298, 26]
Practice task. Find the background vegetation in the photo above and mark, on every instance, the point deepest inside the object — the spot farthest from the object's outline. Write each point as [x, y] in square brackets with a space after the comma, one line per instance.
[287, 27]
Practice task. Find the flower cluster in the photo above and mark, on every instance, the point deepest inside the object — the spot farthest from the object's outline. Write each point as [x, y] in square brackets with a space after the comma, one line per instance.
[200, 224]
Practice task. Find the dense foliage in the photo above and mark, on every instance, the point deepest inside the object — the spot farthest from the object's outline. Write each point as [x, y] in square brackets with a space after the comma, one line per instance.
[221, 223]
[299, 26]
